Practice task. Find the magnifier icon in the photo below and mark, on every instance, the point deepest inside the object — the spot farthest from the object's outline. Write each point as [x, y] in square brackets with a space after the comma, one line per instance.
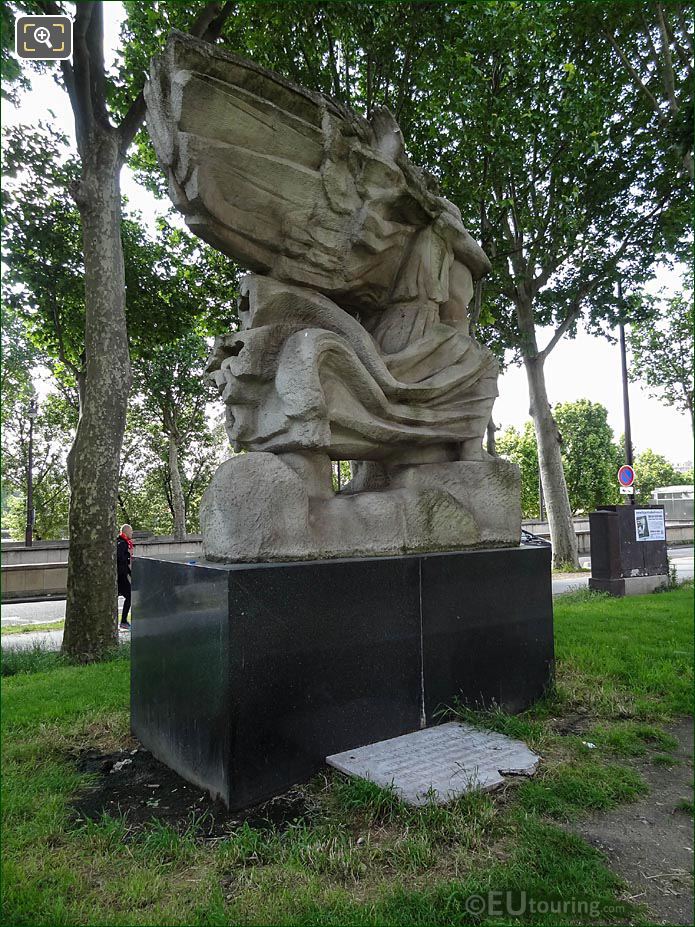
[43, 35]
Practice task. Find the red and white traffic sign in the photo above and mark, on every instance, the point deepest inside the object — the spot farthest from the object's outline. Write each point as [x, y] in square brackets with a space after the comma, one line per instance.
[626, 475]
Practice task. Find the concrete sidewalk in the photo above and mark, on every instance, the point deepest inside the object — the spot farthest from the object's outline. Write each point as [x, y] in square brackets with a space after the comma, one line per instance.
[20, 613]
[46, 640]
[15, 614]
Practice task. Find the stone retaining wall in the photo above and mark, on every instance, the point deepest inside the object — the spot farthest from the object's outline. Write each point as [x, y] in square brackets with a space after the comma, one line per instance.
[41, 570]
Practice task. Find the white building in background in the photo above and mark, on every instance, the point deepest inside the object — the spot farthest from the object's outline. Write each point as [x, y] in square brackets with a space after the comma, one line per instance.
[684, 467]
[678, 501]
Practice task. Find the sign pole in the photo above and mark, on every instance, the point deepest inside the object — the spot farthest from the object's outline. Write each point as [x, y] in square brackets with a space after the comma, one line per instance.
[626, 397]
[626, 478]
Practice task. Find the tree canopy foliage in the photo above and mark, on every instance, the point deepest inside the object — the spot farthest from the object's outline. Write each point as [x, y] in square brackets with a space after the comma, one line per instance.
[653, 470]
[662, 352]
[590, 456]
[180, 291]
[571, 181]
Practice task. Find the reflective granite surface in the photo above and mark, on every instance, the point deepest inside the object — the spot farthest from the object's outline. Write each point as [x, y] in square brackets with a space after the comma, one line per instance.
[246, 676]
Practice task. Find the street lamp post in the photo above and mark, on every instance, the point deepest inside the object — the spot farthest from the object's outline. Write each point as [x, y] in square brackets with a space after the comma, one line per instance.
[29, 533]
[626, 396]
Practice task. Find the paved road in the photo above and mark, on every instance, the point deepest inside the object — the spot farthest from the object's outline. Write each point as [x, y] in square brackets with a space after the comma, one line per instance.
[684, 560]
[14, 613]
[24, 613]
[41, 612]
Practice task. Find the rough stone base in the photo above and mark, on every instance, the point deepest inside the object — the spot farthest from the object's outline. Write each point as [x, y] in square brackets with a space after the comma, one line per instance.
[629, 585]
[266, 507]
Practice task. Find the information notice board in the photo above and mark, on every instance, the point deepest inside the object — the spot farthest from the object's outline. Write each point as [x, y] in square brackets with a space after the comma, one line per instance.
[650, 525]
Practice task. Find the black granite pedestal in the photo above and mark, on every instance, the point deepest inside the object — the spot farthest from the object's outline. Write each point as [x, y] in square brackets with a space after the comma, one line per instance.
[246, 676]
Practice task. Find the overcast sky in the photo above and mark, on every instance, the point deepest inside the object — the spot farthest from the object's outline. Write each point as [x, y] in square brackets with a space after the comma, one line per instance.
[584, 368]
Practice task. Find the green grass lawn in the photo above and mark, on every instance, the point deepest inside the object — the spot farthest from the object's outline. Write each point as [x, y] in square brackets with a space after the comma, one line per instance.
[632, 655]
[29, 628]
[363, 857]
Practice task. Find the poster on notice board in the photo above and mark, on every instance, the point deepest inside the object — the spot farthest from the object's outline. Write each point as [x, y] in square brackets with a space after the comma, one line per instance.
[650, 525]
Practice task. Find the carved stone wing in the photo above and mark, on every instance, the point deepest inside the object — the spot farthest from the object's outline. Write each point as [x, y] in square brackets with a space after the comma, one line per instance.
[292, 184]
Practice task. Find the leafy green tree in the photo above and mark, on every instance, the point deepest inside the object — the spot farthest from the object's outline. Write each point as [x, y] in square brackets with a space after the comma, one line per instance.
[108, 112]
[520, 447]
[13, 78]
[175, 282]
[560, 189]
[52, 433]
[590, 456]
[652, 43]
[653, 470]
[662, 353]
[174, 391]
[19, 356]
[18, 359]
[42, 251]
[145, 497]
[179, 289]
[51, 501]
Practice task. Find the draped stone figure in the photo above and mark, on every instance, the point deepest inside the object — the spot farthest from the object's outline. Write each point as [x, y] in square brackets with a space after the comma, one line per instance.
[353, 342]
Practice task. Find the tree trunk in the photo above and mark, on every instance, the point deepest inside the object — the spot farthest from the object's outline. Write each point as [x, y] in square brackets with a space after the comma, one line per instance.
[562, 533]
[178, 502]
[90, 626]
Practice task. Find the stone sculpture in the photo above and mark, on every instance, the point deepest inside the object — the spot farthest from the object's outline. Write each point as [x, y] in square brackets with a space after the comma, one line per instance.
[354, 340]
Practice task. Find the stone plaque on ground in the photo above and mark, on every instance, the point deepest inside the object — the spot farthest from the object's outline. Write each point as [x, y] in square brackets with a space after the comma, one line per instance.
[439, 763]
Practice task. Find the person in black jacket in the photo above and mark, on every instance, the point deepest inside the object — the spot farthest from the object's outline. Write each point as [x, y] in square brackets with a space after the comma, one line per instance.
[124, 556]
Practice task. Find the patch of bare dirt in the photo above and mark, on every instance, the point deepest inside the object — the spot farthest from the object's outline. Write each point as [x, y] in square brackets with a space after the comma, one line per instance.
[133, 784]
[575, 722]
[649, 843]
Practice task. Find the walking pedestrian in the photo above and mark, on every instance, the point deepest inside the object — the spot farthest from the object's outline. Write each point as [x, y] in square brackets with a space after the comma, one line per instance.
[124, 557]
